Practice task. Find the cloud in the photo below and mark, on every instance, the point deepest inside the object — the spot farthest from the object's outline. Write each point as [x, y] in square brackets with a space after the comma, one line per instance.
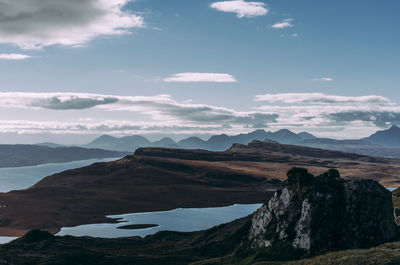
[320, 112]
[380, 118]
[323, 79]
[320, 98]
[314, 112]
[201, 77]
[54, 101]
[241, 8]
[33, 24]
[117, 127]
[14, 56]
[159, 108]
[286, 23]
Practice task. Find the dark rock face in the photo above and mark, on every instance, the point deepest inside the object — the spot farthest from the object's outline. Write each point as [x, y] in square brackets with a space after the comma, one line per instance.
[325, 213]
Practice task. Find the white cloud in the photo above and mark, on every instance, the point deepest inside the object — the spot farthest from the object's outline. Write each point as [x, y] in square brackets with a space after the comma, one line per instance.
[295, 35]
[159, 108]
[201, 77]
[55, 101]
[14, 56]
[286, 23]
[116, 127]
[241, 8]
[315, 112]
[33, 24]
[323, 79]
[88, 114]
[331, 112]
[320, 98]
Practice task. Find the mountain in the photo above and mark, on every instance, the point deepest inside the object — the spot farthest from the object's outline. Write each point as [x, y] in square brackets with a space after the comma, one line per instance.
[31, 155]
[124, 144]
[192, 143]
[158, 179]
[165, 142]
[389, 137]
[283, 136]
[306, 136]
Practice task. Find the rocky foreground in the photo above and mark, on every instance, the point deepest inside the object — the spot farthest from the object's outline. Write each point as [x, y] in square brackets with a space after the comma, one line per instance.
[323, 213]
[307, 216]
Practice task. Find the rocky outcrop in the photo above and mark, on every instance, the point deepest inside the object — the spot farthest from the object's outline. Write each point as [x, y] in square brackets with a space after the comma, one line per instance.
[324, 213]
[396, 205]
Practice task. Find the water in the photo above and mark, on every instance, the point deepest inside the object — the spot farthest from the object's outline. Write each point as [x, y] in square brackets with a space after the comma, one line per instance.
[6, 239]
[181, 220]
[17, 178]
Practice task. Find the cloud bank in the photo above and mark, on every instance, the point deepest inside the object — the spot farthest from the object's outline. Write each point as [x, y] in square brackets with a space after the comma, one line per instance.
[159, 108]
[314, 112]
[320, 98]
[201, 77]
[318, 110]
[33, 24]
[241, 8]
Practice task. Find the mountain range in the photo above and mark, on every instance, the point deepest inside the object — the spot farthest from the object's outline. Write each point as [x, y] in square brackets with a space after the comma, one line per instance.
[214, 143]
[384, 143]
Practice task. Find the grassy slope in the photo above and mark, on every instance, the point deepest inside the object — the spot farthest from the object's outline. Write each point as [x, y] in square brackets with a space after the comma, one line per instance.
[388, 253]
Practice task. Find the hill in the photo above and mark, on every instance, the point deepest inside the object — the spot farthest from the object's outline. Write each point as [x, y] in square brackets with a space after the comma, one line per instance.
[231, 243]
[31, 155]
[163, 179]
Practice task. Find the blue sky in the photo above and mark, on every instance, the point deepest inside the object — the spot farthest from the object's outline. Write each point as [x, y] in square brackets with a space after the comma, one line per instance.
[333, 52]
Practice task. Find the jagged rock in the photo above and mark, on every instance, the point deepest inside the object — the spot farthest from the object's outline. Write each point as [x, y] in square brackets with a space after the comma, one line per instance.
[396, 205]
[324, 213]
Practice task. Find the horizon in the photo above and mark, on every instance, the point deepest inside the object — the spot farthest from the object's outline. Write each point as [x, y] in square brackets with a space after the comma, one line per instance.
[176, 138]
[73, 72]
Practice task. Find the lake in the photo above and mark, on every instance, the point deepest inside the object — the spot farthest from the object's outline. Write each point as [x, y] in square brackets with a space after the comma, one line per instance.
[17, 178]
[181, 220]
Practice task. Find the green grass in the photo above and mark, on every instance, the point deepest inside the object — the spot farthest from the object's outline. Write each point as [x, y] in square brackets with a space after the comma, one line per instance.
[388, 254]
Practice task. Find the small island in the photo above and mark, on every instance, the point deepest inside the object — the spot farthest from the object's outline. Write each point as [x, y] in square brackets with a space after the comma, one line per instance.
[136, 227]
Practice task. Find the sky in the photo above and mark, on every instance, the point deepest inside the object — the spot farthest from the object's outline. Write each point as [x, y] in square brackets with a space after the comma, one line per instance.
[73, 70]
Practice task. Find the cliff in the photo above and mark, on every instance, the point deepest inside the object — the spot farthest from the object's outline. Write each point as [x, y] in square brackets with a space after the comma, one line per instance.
[324, 213]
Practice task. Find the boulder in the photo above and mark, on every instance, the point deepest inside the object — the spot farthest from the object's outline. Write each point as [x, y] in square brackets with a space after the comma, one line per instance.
[324, 213]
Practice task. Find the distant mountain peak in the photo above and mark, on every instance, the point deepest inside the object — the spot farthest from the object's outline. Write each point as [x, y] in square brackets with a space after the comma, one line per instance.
[389, 137]
[258, 131]
[394, 128]
[285, 131]
[306, 136]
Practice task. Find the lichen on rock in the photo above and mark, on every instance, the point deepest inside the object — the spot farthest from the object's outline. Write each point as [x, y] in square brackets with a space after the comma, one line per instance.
[324, 213]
